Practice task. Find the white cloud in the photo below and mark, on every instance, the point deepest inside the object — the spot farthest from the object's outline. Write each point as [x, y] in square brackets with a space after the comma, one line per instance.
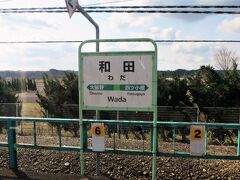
[176, 2]
[31, 27]
[157, 33]
[131, 2]
[38, 57]
[191, 48]
[22, 27]
[183, 17]
[184, 56]
[123, 21]
[167, 33]
[23, 21]
[230, 25]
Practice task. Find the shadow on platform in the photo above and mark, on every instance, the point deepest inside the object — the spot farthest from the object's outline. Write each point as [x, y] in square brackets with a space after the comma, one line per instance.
[8, 174]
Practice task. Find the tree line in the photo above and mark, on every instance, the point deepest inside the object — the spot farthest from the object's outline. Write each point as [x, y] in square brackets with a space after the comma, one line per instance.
[205, 88]
[8, 95]
[22, 84]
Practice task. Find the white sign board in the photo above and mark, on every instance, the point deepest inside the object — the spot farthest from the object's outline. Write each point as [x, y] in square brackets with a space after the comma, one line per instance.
[72, 5]
[98, 137]
[197, 140]
[113, 81]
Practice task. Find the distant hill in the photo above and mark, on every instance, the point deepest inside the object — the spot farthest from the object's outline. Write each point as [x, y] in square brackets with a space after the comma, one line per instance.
[60, 73]
[32, 74]
[178, 72]
[183, 72]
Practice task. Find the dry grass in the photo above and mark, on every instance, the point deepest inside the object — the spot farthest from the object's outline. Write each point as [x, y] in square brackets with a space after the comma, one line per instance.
[31, 110]
[26, 128]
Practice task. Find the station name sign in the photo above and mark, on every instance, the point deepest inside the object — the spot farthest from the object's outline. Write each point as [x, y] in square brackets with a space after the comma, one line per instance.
[112, 80]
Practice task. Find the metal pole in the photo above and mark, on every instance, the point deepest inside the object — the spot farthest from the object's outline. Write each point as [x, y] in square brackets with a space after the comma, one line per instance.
[34, 134]
[118, 129]
[93, 23]
[174, 139]
[198, 113]
[80, 109]
[154, 150]
[97, 154]
[16, 109]
[155, 130]
[59, 128]
[12, 152]
[238, 145]
[206, 138]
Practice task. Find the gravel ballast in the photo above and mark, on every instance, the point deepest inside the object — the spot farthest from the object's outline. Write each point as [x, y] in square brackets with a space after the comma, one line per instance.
[118, 166]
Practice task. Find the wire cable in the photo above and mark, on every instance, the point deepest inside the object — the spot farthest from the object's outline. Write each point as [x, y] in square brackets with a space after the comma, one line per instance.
[124, 11]
[163, 11]
[132, 9]
[126, 7]
[162, 7]
[157, 41]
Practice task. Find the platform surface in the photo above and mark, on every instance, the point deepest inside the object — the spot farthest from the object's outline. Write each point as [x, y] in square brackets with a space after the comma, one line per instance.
[8, 174]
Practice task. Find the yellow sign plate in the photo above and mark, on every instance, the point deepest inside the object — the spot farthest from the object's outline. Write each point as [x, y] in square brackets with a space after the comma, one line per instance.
[98, 130]
[197, 133]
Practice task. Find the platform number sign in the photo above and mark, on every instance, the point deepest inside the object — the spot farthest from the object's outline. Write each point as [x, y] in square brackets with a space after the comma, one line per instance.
[98, 130]
[98, 137]
[197, 140]
[197, 133]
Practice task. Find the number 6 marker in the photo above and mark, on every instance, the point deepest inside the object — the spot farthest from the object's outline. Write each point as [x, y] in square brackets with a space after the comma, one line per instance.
[98, 137]
[98, 130]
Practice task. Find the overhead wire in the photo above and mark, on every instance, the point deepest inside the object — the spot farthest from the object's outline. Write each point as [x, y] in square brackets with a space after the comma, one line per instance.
[163, 11]
[157, 41]
[124, 11]
[133, 9]
[96, 9]
[148, 7]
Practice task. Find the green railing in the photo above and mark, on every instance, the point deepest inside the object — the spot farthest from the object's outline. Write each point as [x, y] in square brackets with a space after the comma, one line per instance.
[12, 145]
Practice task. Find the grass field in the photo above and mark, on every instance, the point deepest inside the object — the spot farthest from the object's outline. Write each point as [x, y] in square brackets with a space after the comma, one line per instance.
[34, 110]
[31, 110]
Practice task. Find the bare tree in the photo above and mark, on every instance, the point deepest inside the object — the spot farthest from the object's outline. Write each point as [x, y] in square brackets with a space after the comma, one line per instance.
[225, 59]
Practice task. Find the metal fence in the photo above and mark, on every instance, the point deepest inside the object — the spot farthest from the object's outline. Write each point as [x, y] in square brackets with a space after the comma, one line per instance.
[132, 146]
[138, 138]
[165, 113]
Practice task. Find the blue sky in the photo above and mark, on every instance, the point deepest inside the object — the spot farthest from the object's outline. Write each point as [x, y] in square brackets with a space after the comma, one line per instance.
[34, 27]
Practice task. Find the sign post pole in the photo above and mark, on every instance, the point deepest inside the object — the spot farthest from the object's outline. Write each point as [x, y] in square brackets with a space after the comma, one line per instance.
[155, 134]
[97, 50]
[98, 153]
[72, 5]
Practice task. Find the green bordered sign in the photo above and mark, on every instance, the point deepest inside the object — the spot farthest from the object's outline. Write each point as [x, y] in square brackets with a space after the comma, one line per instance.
[118, 80]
